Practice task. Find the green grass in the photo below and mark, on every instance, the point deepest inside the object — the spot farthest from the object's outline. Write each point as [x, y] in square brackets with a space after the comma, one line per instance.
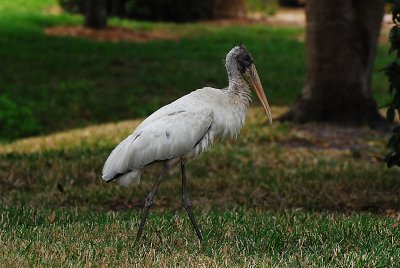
[286, 239]
[278, 195]
[73, 82]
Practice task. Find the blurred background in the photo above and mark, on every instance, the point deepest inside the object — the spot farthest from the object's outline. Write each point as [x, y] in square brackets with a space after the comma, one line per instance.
[136, 56]
[57, 74]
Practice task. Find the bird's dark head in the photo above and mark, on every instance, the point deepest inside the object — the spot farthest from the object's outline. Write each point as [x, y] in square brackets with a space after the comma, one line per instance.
[240, 58]
[243, 58]
[240, 63]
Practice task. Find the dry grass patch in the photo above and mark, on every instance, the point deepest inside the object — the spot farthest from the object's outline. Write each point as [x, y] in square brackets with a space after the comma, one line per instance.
[314, 167]
[112, 34]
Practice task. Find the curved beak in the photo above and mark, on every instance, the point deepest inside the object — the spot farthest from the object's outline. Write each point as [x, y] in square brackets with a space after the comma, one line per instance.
[252, 78]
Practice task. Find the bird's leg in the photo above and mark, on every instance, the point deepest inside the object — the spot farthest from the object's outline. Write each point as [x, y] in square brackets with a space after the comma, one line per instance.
[186, 201]
[149, 201]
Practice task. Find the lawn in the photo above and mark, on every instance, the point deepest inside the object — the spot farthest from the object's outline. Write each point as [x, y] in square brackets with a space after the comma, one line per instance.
[232, 238]
[281, 195]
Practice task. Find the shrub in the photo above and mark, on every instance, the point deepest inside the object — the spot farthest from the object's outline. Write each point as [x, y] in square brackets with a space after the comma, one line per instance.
[72, 6]
[177, 10]
[393, 73]
[268, 7]
[156, 10]
[167, 10]
[16, 122]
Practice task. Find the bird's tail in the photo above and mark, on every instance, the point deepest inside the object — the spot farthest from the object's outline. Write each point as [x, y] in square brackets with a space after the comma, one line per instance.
[118, 164]
[125, 179]
[128, 178]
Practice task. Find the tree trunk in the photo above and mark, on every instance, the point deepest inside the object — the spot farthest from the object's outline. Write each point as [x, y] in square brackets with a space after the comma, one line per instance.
[341, 41]
[96, 14]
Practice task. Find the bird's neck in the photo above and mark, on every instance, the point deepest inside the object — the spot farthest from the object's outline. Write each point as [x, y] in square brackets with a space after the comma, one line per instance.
[238, 86]
[239, 99]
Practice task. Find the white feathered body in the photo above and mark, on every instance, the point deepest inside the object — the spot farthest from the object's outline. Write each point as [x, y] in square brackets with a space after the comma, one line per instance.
[182, 129]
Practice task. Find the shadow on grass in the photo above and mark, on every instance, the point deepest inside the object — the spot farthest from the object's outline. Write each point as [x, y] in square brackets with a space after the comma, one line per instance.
[226, 178]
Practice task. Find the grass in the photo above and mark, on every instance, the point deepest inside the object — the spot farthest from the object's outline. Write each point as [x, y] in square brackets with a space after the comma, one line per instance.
[286, 239]
[274, 168]
[71, 82]
[280, 196]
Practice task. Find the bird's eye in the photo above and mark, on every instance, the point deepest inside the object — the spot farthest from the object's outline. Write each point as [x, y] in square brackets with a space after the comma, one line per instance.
[244, 61]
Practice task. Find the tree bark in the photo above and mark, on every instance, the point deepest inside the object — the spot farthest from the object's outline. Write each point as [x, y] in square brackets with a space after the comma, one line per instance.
[96, 14]
[341, 46]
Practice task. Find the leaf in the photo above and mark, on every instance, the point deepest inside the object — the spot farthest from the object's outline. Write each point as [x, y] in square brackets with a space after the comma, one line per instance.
[392, 159]
[393, 141]
[60, 188]
[390, 114]
[391, 88]
[51, 218]
[394, 37]
[396, 100]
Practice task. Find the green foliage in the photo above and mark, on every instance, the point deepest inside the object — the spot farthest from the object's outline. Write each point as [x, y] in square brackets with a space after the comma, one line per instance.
[268, 7]
[73, 6]
[153, 10]
[16, 121]
[25, 6]
[169, 10]
[393, 73]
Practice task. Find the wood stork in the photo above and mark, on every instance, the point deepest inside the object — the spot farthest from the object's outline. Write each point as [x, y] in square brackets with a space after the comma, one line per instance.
[187, 127]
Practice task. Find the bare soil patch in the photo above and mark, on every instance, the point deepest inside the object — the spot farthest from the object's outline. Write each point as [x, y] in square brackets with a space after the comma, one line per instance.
[327, 136]
[111, 34]
[284, 17]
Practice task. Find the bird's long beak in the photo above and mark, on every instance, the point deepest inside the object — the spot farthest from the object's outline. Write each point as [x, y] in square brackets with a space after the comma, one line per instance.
[252, 78]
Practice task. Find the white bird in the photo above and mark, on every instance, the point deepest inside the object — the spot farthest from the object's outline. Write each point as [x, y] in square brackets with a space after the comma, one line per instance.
[185, 128]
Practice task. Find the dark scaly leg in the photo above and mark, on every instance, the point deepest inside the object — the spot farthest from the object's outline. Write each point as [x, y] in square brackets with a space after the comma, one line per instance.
[149, 201]
[186, 202]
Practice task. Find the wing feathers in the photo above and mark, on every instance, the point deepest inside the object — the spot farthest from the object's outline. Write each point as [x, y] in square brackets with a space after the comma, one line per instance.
[174, 135]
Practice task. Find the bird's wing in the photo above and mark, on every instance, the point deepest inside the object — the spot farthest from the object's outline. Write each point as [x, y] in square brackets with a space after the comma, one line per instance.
[170, 136]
